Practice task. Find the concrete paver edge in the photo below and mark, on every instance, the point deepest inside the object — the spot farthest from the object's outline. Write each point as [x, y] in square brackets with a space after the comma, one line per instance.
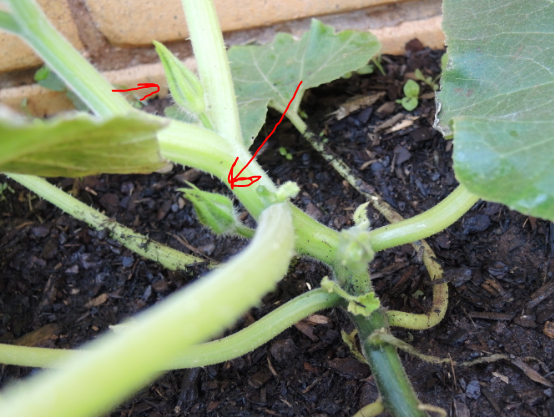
[43, 102]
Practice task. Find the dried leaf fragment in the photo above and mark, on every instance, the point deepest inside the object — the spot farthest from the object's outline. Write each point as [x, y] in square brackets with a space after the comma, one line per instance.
[37, 337]
[549, 329]
[95, 302]
[531, 373]
[355, 103]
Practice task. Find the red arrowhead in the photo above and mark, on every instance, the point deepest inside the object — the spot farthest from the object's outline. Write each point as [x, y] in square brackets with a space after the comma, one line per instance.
[142, 85]
[233, 180]
[231, 177]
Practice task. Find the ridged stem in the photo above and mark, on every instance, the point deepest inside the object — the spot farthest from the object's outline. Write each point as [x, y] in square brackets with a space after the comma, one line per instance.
[142, 245]
[393, 384]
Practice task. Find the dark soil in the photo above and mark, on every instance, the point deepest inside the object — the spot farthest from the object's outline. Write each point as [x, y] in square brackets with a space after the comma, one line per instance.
[498, 263]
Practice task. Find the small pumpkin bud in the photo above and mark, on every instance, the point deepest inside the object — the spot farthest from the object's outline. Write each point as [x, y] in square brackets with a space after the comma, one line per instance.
[185, 87]
[213, 210]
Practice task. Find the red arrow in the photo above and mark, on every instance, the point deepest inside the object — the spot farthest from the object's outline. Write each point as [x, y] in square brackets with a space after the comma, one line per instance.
[143, 85]
[233, 179]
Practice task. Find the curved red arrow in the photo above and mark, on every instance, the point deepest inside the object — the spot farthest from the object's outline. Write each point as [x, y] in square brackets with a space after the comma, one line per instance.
[234, 179]
[144, 85]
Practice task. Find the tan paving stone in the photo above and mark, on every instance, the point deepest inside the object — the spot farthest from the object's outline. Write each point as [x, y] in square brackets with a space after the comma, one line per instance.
[15, 54]
[138, 22]
[42, 102]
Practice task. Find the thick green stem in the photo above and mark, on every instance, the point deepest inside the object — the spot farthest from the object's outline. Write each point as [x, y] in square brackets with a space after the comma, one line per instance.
[180, 142]
[168, 257]
[121, 363]
[344, 170]
[395, 389]
[425, 224]
[401, 231]
[197, 147]
[68, 64]
[205, 354]
[213, 68]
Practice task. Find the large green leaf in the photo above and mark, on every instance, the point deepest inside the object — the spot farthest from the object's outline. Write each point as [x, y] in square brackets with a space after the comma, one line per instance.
[498, 99]
[79, 146]
[269, 74]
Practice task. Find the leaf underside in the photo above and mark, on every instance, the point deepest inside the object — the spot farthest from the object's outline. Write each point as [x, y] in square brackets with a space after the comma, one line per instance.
[497, 99]
[80, 146]
[268, 75]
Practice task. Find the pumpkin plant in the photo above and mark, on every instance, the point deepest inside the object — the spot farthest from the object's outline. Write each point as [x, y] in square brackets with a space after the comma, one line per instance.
[494, 100]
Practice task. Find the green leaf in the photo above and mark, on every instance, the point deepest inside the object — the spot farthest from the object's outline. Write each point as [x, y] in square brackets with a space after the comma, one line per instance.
[268, 75]
[354, 249]
[409, 103]
[49, 80]
[362, 305]
[80, 146]
[411, 88]
[497, 94]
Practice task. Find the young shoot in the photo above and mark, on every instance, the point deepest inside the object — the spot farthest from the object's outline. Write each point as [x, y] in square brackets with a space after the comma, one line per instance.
[411, 93]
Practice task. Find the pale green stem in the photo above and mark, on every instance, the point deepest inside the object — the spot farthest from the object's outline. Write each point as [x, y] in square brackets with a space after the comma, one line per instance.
[406, 231]
[168, 257]
[244, 231]
[425, 224]
[205, 354]
[206, 122]
[205, 150]
[65, 61]
[401, 231]
[185, 143]
[119, 364]
[213, 68]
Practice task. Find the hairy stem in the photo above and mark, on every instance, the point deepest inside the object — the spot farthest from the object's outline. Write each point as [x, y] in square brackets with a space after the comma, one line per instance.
[200, 148]
[213, 68]
[402, 231]
[180, 142]
[168, 257]
[205, 354]
[121, 363]
[425, 224]
[65, 61]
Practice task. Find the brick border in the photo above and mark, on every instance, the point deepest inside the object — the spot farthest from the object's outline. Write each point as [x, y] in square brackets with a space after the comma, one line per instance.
[15, 54]
[146, 19]
[42, 102]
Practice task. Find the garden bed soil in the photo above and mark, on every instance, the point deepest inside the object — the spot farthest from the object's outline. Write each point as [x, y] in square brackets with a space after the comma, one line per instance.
[71, 283]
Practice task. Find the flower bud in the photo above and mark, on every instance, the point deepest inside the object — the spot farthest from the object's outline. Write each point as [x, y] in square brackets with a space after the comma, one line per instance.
[213, 210]
[185, 87]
